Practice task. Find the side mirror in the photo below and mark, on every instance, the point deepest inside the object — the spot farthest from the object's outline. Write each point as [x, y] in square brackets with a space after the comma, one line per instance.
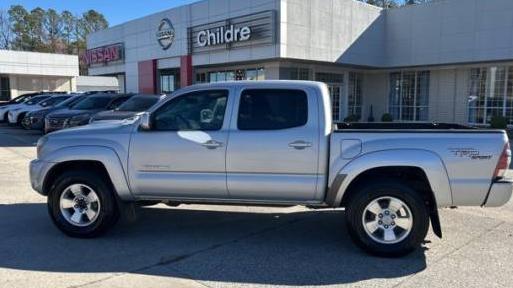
[145, 121]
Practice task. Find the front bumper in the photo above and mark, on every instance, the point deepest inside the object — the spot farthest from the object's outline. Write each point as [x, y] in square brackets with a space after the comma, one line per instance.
[500, 193]
[3, 113]
[12, 117]
[33, 123]
[38, 170]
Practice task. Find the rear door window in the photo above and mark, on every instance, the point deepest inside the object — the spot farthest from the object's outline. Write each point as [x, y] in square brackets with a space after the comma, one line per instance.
[272, 109]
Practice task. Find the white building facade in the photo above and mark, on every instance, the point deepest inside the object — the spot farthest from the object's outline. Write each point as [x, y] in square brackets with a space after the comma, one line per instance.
[446, 61]
[26, 72]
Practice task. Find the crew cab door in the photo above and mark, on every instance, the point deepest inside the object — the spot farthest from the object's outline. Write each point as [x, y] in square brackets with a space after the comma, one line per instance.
[274, 145]
[183, 154]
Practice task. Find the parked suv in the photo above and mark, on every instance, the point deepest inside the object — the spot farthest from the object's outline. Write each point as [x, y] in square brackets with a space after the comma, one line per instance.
[136, 104]
[13, 110]
[16, 116]
[35, 119]
[81, 113]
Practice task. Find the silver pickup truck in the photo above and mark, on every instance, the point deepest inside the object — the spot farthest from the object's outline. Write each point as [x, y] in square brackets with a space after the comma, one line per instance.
[271, 143]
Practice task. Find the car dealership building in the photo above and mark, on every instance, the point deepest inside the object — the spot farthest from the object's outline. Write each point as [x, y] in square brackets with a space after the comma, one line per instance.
[445, 61]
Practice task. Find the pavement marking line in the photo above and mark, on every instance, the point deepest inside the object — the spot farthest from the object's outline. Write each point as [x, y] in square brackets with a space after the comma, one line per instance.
[444, 256]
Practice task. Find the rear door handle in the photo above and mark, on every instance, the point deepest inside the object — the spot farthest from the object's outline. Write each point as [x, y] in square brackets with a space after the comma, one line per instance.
[300, 145]
[212, 144]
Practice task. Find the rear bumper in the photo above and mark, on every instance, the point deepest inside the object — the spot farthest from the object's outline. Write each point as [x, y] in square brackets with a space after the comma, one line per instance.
[500, 193]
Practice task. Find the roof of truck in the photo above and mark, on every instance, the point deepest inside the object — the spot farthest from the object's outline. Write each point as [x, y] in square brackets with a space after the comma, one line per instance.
[257, 84]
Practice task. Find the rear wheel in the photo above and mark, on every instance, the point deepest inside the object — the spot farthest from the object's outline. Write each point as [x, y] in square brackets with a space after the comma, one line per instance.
[82, 204]
[387, 218]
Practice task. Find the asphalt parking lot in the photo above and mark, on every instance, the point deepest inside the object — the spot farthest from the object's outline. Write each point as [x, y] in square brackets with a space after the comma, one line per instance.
[233, 246]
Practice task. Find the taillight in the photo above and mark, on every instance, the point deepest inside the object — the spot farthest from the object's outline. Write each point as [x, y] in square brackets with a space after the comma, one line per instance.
[503, 163]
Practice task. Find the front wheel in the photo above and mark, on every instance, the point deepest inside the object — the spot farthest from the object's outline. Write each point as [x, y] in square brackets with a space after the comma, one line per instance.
[82, 204]
[387, 218]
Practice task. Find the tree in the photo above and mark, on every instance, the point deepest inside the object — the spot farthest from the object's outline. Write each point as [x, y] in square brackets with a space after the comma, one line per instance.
[382, 3]
[5, 30]
[18, 17]
[393, 3]
[53, 28]
[48, 30]
[68, 30]
[91, 21]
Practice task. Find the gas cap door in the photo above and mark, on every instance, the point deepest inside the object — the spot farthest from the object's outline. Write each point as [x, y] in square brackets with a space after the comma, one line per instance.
[350, 148]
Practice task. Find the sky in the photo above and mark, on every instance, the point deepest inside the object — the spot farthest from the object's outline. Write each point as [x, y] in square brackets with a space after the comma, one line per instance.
[116, 11]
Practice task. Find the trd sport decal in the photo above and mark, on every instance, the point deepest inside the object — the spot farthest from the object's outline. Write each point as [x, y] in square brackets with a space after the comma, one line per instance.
[471, 153]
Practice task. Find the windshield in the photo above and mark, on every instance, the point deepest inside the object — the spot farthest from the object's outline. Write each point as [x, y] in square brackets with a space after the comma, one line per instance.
[36, 100]
[53, 101]
[70, 101]
[22, 98]
[92, 103]
[138, 104]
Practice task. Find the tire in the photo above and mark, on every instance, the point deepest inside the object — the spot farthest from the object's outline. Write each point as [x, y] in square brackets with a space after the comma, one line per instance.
[20, 119]
[381, 242]
[104, 205]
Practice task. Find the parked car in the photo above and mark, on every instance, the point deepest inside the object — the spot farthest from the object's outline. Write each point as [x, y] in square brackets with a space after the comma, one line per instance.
[133, 106]
[35, 119]
[19, 99]
[12, 110]
[272, 143]
[81, 113]
[15, 103]
[16, 116]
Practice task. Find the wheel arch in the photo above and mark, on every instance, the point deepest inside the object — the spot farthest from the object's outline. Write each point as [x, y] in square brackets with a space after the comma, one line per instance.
[102, 159]
[421, 169]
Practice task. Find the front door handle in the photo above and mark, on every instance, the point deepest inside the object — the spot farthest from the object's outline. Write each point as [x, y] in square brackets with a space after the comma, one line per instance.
[212, 144]
[300, 145]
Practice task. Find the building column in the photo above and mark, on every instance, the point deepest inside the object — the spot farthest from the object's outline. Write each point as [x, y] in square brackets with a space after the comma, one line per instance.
[147, 76]
[185, 71]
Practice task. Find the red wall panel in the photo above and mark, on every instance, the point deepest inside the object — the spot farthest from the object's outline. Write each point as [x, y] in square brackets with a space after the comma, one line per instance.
[185, 71]
[147, 76]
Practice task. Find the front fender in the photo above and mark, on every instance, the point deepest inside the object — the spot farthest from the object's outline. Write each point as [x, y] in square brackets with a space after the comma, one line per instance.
[428, 161]
[105, 155]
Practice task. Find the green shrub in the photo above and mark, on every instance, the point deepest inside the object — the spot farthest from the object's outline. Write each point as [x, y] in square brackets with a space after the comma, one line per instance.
[499, 122]
[352, 118]
[387, 117]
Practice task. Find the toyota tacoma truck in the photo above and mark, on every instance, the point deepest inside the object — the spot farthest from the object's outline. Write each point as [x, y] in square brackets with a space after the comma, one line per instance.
[271, 143]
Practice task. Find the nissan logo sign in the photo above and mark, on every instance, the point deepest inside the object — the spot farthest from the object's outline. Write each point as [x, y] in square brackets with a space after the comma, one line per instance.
[166, 34]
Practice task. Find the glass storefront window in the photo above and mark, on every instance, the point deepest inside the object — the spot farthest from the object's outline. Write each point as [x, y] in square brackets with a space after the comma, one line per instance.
[232, 75]
[354, 97]
[169, 81]
[292, 73]
[409, 95]
[5, 89]
[490, 94]
[335, 82]
[261, 74]
[251, 74]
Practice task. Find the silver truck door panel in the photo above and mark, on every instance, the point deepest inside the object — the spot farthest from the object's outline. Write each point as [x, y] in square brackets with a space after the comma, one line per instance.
[274, 164]
[183, 163]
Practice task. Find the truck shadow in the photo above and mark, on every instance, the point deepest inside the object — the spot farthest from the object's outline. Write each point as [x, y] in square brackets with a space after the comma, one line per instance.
[299, 248]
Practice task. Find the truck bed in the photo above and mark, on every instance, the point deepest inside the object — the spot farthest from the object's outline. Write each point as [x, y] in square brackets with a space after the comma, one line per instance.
[465, 155]
[384, 126]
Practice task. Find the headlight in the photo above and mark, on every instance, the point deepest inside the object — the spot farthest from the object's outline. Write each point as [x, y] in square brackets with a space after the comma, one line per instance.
[79, 120]
[40, 143]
